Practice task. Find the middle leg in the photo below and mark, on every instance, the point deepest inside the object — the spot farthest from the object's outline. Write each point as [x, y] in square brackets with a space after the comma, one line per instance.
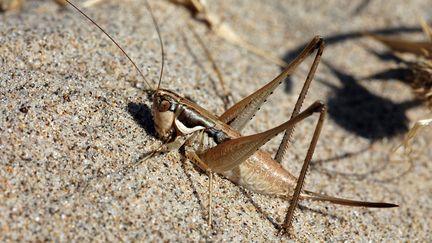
[283, 147]
[300, 181]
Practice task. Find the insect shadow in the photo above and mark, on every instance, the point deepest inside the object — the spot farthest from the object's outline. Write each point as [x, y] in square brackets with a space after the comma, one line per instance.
[358, 110]
[141, 113]
[341, 37]
[403, 73]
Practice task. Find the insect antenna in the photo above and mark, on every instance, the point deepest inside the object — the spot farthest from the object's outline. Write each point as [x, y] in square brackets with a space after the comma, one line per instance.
[160, 41]
[121, 49]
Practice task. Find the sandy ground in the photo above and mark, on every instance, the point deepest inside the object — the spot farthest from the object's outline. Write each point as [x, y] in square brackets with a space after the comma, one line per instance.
[74, 120]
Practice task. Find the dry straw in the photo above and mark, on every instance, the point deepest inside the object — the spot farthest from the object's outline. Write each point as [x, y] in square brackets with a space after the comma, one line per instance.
[418, 56]
[201, 12]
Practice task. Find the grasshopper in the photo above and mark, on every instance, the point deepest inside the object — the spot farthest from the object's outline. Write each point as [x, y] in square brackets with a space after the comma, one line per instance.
[215, 144]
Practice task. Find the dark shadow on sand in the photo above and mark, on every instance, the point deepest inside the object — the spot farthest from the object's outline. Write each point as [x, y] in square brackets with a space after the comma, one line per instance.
[367, 115]
[341, 37]
[141, 113]
[355, 108]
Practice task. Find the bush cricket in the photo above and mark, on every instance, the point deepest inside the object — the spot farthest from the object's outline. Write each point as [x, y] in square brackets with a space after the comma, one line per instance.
[215, 144]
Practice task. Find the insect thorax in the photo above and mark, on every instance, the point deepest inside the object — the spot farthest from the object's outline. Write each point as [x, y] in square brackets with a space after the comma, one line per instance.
[188, 117]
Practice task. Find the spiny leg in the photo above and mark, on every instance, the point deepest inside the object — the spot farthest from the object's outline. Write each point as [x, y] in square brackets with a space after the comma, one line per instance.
[190, 153]
[239, 114]
[233, 152]
[192, 156]
[296, 196]
[166, 147]
[210, 197]
[283, 147]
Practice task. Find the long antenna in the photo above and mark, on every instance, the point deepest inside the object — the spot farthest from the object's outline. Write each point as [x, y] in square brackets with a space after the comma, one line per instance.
[115, 42]
[160, 41]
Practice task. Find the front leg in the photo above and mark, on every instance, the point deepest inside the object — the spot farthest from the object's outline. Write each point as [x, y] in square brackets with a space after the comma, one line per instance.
[174, 145]
[178, 142]
[192, 156]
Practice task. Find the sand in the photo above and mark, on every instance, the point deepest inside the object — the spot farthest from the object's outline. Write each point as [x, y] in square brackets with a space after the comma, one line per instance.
[74, 120]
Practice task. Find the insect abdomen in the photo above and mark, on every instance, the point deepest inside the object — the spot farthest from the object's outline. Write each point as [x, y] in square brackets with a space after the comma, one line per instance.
[261, 174]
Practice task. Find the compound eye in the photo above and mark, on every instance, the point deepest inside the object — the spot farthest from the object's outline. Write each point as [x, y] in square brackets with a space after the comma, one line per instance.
[164, 105]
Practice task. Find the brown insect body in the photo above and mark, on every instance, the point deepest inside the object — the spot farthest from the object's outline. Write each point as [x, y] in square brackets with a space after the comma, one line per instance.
[259, 173]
